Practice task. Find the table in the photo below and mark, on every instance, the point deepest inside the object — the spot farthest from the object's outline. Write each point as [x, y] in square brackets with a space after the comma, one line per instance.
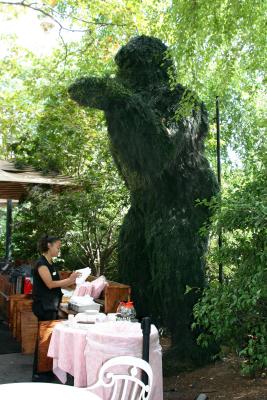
[44, 391]
[67, 347]
[81, 352]
[121, 338]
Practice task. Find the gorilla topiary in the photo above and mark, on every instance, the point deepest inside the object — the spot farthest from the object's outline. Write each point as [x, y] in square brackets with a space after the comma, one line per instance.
[156, 138]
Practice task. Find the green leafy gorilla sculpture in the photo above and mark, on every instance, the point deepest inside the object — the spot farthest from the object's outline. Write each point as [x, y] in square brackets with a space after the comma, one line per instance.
[156, 139]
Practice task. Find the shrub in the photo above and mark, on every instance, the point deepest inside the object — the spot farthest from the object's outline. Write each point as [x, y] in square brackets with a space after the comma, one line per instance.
[235, 313]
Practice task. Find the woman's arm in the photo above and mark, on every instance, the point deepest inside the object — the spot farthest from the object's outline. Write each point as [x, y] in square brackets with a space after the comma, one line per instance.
[47, 278]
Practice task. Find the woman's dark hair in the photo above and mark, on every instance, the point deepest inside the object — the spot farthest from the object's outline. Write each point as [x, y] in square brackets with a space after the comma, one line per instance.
[43, 242]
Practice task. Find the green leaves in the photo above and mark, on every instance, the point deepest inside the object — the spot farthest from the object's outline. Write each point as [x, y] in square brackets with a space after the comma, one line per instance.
[235, 313]
[218, 46]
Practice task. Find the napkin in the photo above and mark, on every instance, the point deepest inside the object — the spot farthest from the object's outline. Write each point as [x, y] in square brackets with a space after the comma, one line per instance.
[82, 300]
[85, 272]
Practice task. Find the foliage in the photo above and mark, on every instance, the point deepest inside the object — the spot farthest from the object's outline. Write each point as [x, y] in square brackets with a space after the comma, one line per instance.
[219, 49]
[235, 313]
[85, 221]
[222, 37]
[41, 127]
[223, 57]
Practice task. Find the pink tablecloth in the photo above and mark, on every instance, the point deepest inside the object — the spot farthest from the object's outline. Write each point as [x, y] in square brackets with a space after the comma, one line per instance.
[112, 339]
[67, 347]
[81, 353]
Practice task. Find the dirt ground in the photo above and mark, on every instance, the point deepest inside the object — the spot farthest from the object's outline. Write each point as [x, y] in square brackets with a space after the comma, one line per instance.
[221, 380]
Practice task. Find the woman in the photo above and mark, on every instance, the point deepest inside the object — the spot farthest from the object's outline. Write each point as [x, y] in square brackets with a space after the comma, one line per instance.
[47, 286]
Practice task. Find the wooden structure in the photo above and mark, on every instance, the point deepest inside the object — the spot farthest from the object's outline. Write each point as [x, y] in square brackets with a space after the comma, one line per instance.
[5, 291]
[45, 329]
[28, 324]
[112, 295]
[15, 182]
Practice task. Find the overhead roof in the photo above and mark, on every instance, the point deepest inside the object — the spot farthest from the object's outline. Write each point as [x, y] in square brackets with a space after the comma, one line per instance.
[14, 182]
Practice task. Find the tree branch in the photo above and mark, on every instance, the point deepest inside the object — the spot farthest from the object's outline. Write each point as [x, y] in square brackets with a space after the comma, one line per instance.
[85, 21]
[34, 6]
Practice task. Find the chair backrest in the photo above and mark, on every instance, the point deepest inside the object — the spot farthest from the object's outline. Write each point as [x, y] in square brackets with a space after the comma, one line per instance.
[123, 386]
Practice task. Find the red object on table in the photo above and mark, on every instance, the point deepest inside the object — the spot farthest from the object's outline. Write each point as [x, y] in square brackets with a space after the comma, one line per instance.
[129, 304]
[27, 286]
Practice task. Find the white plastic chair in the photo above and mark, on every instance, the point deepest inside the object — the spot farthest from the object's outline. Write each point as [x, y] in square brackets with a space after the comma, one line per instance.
[123, 385]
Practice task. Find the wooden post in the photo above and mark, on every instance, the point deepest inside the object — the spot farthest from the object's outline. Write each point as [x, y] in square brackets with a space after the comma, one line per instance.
[8, 229]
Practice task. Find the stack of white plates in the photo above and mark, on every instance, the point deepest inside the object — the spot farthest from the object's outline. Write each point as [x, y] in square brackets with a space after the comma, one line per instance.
[89, 317]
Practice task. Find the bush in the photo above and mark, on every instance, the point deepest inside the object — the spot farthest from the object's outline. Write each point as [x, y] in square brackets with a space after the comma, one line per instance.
[235, 313]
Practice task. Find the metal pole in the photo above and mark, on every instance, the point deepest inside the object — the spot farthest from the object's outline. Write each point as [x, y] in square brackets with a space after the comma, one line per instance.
[146, 327]
[218, 136]
[8, 229]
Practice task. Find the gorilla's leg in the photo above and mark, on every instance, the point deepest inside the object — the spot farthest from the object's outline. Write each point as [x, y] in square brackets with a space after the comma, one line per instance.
[174, 269]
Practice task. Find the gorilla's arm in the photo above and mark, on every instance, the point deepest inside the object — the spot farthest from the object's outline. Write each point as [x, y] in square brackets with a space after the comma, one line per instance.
[142, 141]
[191, 112]
[100, 93]
[142, 144]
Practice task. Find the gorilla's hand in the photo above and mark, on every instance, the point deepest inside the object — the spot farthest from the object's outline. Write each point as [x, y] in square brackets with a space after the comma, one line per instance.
[101, 93]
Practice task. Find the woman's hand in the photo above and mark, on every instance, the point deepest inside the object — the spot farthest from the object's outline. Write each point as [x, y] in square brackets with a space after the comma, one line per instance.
[73, 276]
[47, 278]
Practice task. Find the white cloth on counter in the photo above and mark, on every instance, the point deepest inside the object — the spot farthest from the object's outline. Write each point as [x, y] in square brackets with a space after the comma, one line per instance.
[90, 318]
[82, 300]
[82, 303]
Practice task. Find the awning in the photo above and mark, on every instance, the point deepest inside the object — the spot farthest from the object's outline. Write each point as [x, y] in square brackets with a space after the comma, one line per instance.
[14, 182]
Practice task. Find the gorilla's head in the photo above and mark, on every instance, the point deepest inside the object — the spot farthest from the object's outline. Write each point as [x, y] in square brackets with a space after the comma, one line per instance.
[143, 58]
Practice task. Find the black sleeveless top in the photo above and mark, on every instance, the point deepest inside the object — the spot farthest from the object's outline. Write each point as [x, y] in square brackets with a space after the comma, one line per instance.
[47, 299]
